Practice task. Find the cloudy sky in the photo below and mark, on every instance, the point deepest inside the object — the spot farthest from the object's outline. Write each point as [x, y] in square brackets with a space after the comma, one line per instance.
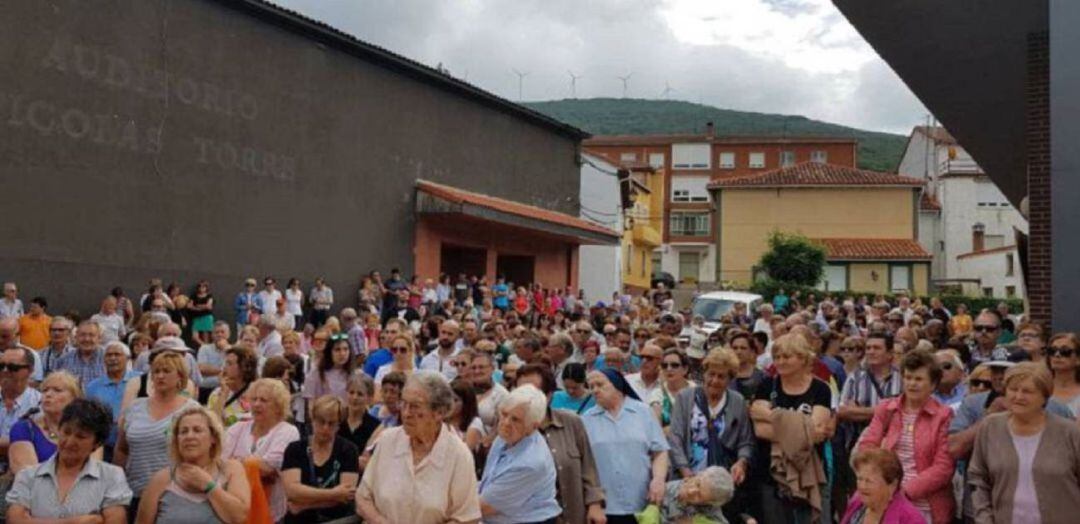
[776, 56]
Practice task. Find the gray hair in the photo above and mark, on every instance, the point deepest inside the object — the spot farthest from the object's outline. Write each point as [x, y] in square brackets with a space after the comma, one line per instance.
[267, 321]
[717, 482]
[564, 340]
[123, 346]
[222, 323]
[440, 396]
[533, 399]
[63, 321]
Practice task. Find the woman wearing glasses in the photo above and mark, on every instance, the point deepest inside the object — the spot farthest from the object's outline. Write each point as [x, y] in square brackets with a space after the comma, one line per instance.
[332, 376]
[1063, 359]
[404, 360]
[674, 366]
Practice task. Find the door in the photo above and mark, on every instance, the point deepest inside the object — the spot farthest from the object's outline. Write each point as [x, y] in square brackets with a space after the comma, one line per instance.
[454, 260]
[517, 269]
[689, 266]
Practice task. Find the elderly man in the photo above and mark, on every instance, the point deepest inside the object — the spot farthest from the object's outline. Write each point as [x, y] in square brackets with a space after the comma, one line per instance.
[987, 330]
[110, 320]
[354, 330]
[16, 395]
[952, 387]
[87, 362]
[10, 305]
[518, 484]
[489, 394]
[269, 338]
[647, 380]
[211, 359]
[440, 359]
[59, 343]
[9, 338]
[560, 351]
[109, 389]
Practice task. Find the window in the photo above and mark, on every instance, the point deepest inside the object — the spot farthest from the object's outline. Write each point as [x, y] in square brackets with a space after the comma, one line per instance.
[656, 160]
[1010, 291]
[690, 156]
[988, 292]
[834, 278]
[819, 156]
[787, 158]
[657, 262]
[993, 241]
[727, 160]
[690, 189]
[757, 160]
[689, 224]
[628, 256]
[689, 266]
[1009, 265]
[628, 157]
[643, 264]
[899, 278]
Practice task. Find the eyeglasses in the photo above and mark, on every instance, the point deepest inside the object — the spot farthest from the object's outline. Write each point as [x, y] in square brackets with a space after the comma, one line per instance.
[849, 350]
[57, 330]
[671, 365]
[1061, 352]
[980, 383]
[319, 339]
[985, 329]
[12, 367]
[1029, 335]
[399, 349]
[946, 366]
[583, 331]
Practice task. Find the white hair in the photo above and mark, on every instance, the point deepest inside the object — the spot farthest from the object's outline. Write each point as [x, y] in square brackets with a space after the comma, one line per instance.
[123, 346]
[718, 484]
[534, 400]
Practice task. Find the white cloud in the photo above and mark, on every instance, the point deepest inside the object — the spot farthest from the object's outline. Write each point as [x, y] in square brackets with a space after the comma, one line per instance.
[776, 56]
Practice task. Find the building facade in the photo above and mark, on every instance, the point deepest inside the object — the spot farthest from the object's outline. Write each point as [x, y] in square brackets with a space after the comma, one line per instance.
[867, 222]
[600, 267]
[964, 213]
[688, 251]
[222, 139]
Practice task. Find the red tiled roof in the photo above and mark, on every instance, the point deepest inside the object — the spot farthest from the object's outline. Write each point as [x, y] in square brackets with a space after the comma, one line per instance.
[460, 196]
[928, 202]
[633, 165]
[667, 139]
[873, 249]
[1002, 249]
[816, 174]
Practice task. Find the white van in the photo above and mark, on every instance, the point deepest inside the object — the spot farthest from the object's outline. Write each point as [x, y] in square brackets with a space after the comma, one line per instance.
[714, 305]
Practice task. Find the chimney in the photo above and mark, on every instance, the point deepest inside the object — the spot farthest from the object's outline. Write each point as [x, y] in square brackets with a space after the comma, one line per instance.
[710, 130]
[978, 237]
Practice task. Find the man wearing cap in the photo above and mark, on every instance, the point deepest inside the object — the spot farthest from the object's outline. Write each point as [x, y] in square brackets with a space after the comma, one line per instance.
[87, 362]
[109, 389]
[244, 304]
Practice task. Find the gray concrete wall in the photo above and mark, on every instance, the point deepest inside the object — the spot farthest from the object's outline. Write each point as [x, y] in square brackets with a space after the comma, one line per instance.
[1065, 162]
[184, 139]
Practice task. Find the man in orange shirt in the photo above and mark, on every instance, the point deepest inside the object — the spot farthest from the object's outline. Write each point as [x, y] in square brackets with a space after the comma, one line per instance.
[34, 326]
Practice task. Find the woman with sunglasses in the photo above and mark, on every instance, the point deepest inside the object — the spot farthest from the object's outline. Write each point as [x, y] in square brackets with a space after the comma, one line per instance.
[979, 381]
[401, 347]
[1063, 359]
[674, 366]
[332, 375]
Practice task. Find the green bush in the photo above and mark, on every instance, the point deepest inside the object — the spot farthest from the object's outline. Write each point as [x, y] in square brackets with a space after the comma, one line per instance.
[768, 289]
[793, 258]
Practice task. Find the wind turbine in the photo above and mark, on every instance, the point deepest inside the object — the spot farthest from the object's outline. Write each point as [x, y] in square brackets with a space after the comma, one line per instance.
[625, 83]
[667, 90]
[521, 80]
[573, 83]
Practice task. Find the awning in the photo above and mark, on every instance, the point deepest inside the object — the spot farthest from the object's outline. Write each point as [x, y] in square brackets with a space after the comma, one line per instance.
[433, 198]
[873, 249]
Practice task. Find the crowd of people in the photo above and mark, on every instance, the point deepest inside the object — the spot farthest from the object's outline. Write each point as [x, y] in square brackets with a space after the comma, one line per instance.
[464, 400]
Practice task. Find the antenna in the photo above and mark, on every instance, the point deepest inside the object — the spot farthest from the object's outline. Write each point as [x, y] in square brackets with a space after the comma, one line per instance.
[625, 82]
[667, 90]
[521, 80]
[573, 83]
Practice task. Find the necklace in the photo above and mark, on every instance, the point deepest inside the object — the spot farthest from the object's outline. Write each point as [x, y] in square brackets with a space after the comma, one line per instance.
[50, 431]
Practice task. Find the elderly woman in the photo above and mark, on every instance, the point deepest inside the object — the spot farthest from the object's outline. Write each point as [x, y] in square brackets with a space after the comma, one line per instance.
[264, 437]
[143, 439]
[980, 380]
[795, 399]
[518, 484]
[629, 445]
[1031, 339]
[928, 467]
[440, 485]
[879, 497]
[710, 425]
[579, 493]
[696, 499]
[1026, 462]
[320, 473]
[34, 438]
[71, 484]
[1063, 358]
[228, 401]
[358, 424]
[199, 486]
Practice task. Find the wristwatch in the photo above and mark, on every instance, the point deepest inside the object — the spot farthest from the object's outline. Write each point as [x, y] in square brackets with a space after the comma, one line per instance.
[209, 487]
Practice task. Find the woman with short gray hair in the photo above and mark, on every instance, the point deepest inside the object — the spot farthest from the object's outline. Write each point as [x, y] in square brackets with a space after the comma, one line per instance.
[518, 484]
[441, 484]
[702, 495]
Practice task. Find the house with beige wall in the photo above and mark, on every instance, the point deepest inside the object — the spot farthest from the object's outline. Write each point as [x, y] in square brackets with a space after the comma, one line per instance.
[867, 221]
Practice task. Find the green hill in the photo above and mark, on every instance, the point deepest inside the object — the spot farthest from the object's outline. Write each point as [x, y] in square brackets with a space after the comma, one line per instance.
[624, 116]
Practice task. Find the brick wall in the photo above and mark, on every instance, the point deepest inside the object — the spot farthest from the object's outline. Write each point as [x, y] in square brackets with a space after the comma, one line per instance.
[1038, 173]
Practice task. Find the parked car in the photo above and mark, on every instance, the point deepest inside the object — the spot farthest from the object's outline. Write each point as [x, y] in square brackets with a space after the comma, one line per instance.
[714, 305]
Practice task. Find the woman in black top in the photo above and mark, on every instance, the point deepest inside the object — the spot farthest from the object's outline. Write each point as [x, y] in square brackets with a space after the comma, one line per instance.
[359, 424]
[320, 473]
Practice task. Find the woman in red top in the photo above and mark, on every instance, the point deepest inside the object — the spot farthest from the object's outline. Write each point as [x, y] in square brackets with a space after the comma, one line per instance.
[915, 426]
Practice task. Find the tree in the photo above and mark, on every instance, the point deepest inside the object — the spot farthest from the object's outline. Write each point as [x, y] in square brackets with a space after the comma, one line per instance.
[793, 259]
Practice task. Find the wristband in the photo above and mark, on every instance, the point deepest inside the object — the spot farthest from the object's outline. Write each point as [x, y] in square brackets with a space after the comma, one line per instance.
[209, 487]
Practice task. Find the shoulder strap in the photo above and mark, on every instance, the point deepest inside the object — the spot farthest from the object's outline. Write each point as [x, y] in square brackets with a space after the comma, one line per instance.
[584, 403]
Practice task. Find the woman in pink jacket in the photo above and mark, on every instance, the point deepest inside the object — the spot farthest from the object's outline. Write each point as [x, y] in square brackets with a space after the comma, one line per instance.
[915, 427]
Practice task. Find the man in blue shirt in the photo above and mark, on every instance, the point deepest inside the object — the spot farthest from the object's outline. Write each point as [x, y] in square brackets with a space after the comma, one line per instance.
[501, 292]
[244, 304]
[109, 389]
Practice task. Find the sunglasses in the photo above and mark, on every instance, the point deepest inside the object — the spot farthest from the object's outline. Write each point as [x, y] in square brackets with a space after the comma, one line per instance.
[671, 365]
[979, 383]
[1061, 352]
[985, 329]
[13, 367]
[339, 336]
[849, 350]
[399, 349]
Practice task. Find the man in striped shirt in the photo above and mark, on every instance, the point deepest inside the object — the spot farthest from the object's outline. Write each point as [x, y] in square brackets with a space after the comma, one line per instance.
[876, 380]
